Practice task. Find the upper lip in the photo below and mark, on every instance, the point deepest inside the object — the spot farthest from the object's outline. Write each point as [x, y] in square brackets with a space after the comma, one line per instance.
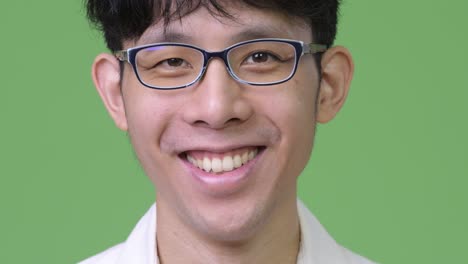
[217, 148]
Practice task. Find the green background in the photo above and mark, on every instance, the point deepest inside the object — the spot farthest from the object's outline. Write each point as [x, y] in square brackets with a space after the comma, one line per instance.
[388, 177]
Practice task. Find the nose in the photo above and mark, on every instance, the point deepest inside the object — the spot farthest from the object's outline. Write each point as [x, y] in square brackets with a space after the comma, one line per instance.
[217, 101]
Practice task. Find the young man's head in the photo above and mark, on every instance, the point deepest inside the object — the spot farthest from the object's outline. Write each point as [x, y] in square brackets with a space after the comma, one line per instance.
[220, 100]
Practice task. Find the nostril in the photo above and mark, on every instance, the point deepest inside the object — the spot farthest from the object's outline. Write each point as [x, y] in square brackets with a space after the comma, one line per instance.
[230, 122]
[233, 121]
[200, 123]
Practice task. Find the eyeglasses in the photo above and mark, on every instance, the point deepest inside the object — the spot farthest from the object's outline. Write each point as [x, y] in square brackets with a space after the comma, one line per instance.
[169, 66]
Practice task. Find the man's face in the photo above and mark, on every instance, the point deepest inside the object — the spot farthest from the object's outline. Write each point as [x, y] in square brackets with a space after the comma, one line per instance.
[175, 132]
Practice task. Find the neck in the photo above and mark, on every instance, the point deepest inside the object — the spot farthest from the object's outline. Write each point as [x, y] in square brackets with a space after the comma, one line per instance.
[278, 241]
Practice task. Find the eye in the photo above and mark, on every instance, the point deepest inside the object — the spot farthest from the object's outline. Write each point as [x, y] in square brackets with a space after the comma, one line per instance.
[261, 57]
[173, 62]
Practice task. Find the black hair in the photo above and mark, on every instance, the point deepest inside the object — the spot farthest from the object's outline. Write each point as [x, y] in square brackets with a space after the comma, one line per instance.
[121, 20]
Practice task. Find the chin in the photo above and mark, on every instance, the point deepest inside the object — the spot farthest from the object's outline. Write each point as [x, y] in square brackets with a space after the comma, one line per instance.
[231, 224]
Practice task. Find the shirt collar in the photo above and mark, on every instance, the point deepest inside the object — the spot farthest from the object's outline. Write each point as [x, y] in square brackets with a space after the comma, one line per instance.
[140, 246]
[317, 246]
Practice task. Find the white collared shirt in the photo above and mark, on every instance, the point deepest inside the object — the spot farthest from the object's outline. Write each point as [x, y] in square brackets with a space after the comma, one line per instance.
[317, 246]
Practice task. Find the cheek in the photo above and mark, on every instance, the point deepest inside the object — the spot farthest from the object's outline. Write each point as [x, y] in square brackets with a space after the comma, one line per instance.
[147, 124]
[302, 107]
[149, 113]
[146, 108]
[146, 119]
[293, 112]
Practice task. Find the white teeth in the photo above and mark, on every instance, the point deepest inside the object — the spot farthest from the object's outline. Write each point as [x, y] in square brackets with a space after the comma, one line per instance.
[237, 161]
[207, 164]
[216, 165]
[190, 159]
[245, 157]
[227, 163]
[251, 155]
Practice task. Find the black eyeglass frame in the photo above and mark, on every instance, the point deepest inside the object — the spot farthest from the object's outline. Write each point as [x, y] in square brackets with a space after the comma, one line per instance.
[300, 47]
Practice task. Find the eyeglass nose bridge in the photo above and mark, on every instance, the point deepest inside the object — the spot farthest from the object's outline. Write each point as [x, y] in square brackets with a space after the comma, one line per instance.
[223, 55]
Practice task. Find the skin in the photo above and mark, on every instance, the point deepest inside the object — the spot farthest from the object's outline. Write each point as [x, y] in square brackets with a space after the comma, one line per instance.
[254, 221]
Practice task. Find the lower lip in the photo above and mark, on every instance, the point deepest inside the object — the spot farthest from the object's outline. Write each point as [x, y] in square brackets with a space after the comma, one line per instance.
[226, 183]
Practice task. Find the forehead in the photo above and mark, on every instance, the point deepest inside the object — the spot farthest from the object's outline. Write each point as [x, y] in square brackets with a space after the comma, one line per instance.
[245, 23]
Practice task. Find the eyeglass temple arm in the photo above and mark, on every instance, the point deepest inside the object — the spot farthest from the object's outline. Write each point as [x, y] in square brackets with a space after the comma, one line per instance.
[314, 48]
[121, 55]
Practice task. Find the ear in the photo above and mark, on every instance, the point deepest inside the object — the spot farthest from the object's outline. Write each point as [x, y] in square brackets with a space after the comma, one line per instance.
[106, 77]
[337, 73]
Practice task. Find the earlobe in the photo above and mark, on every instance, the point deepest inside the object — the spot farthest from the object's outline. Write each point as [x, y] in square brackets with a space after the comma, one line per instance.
[106, 77]
[337, 73]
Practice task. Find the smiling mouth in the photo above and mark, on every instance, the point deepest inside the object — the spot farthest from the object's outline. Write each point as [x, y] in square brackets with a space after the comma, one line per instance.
[222, 162]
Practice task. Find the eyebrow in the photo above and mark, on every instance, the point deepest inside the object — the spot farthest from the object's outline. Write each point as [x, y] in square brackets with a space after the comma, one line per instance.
[259, 32]
[168, 36]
